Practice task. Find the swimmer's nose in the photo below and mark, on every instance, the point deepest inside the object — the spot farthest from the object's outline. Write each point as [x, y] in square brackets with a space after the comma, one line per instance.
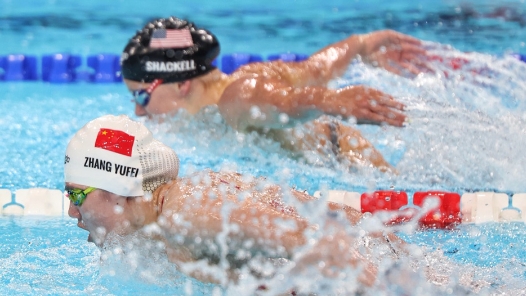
[73, 211]
[140, 110]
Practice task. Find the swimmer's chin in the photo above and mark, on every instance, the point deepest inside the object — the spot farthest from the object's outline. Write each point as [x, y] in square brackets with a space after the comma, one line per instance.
[91, 240]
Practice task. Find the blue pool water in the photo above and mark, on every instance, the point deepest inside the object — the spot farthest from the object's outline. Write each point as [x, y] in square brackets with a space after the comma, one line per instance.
[467, 132]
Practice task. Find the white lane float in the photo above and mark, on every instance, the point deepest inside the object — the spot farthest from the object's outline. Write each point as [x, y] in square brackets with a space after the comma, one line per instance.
[447, 210]
[34, 202]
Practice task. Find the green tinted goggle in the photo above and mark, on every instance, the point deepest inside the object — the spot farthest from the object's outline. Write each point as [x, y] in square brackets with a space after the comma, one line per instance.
[77, 196]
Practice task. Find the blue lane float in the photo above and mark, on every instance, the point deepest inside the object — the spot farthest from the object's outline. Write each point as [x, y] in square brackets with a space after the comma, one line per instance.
[60, 68]
[105, 67]
[288, 57]
[230, 62]
[18, 67]
[520, 57]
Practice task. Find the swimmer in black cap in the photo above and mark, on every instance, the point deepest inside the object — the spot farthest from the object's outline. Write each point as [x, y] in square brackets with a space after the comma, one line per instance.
[168, 66]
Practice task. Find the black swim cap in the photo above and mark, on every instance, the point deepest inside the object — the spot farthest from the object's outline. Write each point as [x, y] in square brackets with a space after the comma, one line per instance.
[170, 49]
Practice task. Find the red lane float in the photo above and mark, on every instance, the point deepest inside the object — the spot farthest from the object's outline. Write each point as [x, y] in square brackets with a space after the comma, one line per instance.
[445, 214]
[451, 209]
[386, 200]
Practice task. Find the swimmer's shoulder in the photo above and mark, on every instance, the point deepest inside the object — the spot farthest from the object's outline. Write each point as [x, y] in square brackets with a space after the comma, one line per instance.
[263, 70]
[246, 83]
[201, 180]
[169, 197]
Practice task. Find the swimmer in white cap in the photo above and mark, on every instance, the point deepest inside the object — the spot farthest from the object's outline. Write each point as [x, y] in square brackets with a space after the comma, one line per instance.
[168, 66]
[119, 179]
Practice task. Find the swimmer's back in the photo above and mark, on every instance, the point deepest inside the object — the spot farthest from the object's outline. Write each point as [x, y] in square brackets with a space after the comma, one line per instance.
[297, 74]
[215, 188]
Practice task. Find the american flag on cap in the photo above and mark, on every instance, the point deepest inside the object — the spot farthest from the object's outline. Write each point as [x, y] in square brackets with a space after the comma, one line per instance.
[171, 38]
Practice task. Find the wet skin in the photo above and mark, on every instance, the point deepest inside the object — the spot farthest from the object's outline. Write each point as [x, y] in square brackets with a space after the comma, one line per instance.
[284, 95]
[104, 212]
[297, 89]
[199, 200]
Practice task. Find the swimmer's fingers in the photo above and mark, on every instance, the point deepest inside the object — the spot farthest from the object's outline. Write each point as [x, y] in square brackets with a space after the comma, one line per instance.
[390, 114]
[391, 36]
[410, 51]
[368, 104]
[412, 69]
[417, 67]
[399, 60]
[413, 59]
[379, 40]
[389, 102]
[382, 108]
[424, 66]
[391, 68]
[403, 38]
[379, 98]
[384, 115]
[404, 68]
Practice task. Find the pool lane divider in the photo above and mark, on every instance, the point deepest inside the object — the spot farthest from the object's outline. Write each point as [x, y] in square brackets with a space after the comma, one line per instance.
[33, 202]
[105, 67]
[433, 209]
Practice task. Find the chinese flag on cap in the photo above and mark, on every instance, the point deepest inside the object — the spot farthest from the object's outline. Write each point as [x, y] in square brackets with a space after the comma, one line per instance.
[115, 141]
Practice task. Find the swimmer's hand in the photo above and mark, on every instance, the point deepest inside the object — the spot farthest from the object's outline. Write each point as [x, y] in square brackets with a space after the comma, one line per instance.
[396, 52]
[365, 104]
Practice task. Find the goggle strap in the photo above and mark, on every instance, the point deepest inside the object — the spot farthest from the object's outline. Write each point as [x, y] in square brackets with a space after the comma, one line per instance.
[89, 190]
[154, 84]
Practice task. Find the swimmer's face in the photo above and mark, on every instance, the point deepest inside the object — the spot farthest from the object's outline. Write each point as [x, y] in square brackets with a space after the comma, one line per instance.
[101, 213]
[164, 99]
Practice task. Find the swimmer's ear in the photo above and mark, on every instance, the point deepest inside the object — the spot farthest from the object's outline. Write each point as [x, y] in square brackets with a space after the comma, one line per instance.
[184, 87]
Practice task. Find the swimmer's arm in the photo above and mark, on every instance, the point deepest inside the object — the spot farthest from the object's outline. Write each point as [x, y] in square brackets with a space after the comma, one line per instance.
[257, 102]
[259, 226]
[393, 51]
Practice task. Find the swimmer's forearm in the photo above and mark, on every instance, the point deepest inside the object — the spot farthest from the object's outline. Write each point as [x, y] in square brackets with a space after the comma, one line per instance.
[255, 103]
[262, 106]
[289, 106]
[336, 102]
[269, 104]
[333, 60]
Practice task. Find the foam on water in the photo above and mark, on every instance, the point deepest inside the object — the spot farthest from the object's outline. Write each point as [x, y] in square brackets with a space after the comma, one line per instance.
[56, 259]
[465, 133]
[465, 130]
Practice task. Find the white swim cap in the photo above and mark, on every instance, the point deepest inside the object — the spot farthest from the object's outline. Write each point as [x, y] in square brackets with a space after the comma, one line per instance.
[119, 155]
